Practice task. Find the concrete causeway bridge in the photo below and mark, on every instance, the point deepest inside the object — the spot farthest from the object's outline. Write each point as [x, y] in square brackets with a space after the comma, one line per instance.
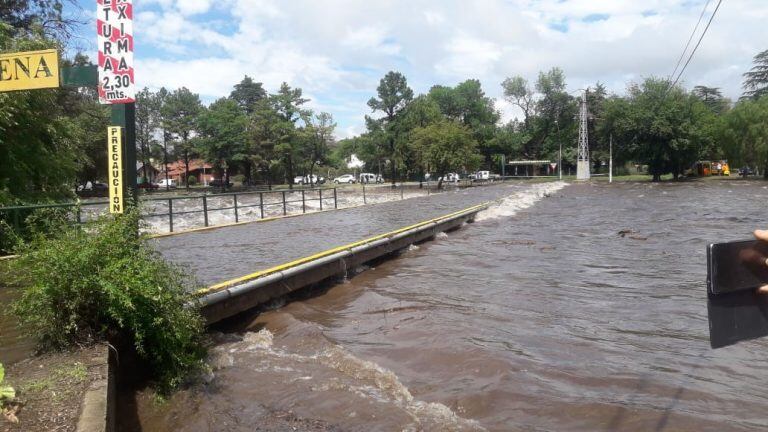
[244, 265]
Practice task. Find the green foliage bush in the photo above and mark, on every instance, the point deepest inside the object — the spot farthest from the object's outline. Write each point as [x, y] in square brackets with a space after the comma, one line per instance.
[191, 180]
[106, 283]
[238, 179]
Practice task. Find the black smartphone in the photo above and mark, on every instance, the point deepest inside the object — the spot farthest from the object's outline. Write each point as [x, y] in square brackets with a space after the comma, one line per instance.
[736, 311]
[736, 266]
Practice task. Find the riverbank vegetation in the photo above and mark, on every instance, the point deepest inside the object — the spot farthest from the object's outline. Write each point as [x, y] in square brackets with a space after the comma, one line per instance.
[106, 284]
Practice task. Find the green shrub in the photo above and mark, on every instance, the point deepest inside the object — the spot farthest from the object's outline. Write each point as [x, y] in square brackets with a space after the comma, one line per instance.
[6, 392]
[238, 178]
[106, 283]
[191, 180]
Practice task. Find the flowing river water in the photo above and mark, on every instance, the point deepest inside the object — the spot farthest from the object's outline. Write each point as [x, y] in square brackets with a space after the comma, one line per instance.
[563, 307]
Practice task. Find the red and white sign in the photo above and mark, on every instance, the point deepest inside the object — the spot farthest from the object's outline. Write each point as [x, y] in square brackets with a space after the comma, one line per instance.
[115, 28]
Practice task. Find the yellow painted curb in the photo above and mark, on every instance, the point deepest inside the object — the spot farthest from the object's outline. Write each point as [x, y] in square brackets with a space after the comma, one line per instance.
[258, 274]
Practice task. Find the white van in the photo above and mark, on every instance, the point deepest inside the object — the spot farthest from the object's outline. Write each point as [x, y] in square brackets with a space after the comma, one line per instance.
[170, 183]
[370, 178]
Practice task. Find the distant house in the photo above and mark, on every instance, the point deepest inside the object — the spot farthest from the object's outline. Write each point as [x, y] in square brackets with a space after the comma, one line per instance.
[201, 170]
[152, 173]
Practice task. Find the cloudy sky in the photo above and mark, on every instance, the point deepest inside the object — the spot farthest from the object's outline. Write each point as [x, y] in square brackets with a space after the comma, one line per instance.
[337, 50]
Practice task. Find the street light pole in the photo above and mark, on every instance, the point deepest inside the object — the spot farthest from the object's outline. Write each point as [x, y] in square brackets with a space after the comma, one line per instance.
[610, 160]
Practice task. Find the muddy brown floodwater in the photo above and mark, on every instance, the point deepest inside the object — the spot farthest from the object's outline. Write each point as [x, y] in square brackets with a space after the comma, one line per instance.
[538, 318]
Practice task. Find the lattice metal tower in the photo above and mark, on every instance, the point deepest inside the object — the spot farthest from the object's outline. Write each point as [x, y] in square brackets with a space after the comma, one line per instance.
[582, 164]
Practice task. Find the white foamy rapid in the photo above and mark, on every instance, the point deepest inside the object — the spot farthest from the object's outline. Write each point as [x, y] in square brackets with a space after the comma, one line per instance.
[510, 205]
[316, 366]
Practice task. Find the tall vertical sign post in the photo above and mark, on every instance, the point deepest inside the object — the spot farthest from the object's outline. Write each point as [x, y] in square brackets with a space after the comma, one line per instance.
[116, 87]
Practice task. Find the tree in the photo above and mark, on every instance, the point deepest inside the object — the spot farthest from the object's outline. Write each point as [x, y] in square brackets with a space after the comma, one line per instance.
[518, 93]
[26, 17]
[40, 148]
[287, 104]
[662, 128]
[394, 95]
[548, 112]
[264, 134]
[743, 133]
[468, 104]
[222, 135]
[147, 117]
[446, 146]
[161, 97]
[247, 94]
[180, 113]
[756, 80]
[712, 98]
[318, 134]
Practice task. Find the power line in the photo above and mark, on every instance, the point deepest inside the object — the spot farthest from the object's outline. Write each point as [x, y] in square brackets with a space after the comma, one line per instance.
[693, 33]
[696, 47]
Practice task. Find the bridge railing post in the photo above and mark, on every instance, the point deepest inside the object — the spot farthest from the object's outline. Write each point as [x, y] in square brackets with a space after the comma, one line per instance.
[261, 204]
[321, 199]
[205, 210]
[285, 209]
[364, 200]
[170, 214]
[234, 198]
[402, 186]
[335, 199]
[303, 202]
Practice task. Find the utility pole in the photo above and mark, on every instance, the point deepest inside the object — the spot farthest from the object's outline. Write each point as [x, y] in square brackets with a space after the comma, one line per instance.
[610, 160]
[503, 166]
[582, 164]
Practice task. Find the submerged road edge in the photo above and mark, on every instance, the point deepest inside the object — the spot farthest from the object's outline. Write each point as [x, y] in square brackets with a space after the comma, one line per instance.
[234, 296]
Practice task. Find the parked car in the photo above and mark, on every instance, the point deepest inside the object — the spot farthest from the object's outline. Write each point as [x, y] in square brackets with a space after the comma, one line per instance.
[483, 175]
[148, 186]
[305, 180]
[450, 177]
[370, 178]
[92, 189]
[219, 183]
[346, 178]
[169, 183]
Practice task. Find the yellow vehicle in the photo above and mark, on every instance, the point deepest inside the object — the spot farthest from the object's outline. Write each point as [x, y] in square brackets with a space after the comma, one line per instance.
[702, 169]
[721, 168]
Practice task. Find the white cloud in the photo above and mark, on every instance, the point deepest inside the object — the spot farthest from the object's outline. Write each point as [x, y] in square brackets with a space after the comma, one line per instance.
[337, 51]
[468, 57]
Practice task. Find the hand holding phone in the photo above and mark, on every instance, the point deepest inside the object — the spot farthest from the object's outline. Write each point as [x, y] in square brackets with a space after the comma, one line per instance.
[737, 287]
[762, 235]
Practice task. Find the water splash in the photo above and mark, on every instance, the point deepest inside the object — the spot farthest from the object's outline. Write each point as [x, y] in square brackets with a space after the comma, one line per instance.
[512, 204]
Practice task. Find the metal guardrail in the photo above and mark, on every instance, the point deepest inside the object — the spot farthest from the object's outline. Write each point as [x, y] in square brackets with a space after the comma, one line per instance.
[16, 215]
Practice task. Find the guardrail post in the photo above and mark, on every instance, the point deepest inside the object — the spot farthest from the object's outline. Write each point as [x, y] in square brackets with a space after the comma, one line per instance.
[205, 210]
[234, 197]
[402, 186]
[285, 210]
[79, 216]
[170, 214]
[364, 200]
[261, 204]
[321, 199]
[335, 199]
[303, 202]
[16, 224]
